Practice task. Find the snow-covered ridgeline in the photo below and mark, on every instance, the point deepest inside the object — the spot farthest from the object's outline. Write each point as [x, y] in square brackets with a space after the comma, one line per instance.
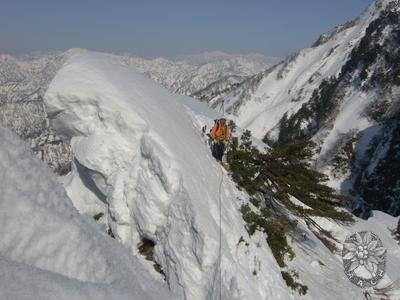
[289, 85]
[342, 93]
[140, 160]
[24, 80]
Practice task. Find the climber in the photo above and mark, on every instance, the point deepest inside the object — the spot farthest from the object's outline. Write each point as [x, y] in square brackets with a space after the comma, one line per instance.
[220, 134]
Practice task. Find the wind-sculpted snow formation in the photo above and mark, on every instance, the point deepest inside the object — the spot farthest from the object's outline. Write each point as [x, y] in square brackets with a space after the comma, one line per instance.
[48, 250]
[140, 161]
[25, 79]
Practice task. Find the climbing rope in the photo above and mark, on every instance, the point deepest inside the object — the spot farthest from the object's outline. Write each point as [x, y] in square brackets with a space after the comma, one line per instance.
[220, 233]
[221, 109]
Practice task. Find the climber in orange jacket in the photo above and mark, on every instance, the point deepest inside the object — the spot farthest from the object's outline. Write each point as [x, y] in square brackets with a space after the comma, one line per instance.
[220, 134]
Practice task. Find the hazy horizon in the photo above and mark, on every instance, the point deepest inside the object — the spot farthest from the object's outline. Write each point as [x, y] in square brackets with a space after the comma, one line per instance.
[177, 57]
[171, 28]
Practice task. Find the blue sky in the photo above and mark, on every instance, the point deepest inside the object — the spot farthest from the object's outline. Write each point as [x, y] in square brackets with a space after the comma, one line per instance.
[169, 28]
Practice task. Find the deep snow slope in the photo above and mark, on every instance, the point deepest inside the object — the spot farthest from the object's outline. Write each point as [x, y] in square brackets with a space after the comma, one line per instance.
[342, 93]
[322, 271]
[47, 249]
[140, 160]
[260, 105]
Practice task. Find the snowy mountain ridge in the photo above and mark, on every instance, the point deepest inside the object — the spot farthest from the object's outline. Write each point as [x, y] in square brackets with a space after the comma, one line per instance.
[284, 82]
[25, 79]
[140, 196]
[143, 171]
[124, 132]
[342, 93]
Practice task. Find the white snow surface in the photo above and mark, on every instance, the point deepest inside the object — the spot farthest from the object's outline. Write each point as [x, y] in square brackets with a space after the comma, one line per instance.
[287, 86]
[323, 272]
[153, 176]
[47, 249]
[329, 287]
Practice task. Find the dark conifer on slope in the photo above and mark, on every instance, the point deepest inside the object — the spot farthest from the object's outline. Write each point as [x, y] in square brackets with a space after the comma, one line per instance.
[283, 172]
[279, 174]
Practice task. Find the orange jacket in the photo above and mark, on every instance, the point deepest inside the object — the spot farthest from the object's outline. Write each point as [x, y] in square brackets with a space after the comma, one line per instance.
[220, 132]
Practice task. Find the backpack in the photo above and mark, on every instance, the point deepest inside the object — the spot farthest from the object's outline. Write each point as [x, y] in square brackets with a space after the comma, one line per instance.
[221, 130]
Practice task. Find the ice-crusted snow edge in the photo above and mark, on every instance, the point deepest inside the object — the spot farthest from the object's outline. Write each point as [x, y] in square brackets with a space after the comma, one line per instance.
[156, 179]
[47, 249]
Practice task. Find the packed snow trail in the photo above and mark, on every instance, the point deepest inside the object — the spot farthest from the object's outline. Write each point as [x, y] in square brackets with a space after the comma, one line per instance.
[140, 153]
[47, 249]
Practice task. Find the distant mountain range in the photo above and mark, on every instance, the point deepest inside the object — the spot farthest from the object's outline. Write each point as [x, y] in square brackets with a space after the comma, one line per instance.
[190, 74]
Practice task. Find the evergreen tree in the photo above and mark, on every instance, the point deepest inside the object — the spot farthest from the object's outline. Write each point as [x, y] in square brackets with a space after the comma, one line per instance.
[241, 159]
[282, 172]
